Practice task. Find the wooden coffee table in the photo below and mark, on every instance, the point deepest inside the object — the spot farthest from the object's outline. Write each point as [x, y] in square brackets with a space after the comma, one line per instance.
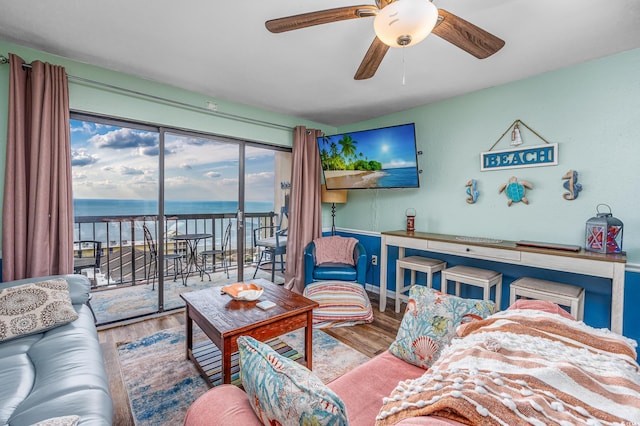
[224, 319]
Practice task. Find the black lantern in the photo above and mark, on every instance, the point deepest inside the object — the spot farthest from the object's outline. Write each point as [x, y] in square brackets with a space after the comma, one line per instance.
[604, 233]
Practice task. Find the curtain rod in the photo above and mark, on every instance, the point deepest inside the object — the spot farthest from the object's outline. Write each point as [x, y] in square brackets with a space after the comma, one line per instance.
[5, 60]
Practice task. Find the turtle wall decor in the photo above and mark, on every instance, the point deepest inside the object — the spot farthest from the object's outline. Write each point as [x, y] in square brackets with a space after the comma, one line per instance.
[515, 190]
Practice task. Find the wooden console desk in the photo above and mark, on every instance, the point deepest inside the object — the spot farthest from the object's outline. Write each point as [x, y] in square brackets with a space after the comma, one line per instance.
[610, 266]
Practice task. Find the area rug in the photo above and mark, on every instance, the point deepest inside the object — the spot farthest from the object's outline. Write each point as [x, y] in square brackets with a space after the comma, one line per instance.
[115, 304]
[161, 383]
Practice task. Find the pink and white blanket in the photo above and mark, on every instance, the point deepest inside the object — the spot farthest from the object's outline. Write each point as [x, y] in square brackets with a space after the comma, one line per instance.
[335, 249]
[526, 367]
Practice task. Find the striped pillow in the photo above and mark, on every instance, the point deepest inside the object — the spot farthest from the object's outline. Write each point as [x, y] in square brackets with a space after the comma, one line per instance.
[341, 303]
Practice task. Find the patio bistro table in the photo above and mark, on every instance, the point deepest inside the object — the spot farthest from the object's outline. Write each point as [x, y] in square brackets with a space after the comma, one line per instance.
[192, 241]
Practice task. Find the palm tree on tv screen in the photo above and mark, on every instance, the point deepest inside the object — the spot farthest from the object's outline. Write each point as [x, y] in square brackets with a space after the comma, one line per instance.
[348, 147]
[345, 158]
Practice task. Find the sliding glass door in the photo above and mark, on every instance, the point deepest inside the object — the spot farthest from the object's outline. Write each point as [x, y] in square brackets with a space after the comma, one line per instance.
[173, 211]
[201, 204]
[115, 169]
[267, 183]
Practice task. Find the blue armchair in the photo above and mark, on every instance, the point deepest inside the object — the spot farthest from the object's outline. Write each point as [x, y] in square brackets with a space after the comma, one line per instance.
[335, 271]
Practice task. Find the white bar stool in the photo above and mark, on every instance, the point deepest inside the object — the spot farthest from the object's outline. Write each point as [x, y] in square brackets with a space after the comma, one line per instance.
[483, 278]
[414, 263]
[562, 294]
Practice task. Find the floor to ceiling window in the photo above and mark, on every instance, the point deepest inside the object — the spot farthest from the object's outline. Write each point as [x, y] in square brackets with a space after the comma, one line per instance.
[165, 206]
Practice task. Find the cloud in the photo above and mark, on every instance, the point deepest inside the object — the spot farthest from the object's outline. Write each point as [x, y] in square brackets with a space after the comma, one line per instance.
[123, 170]
[96, 186]
[393, 164]
[176, 181]
[229, 181]
[186, 166]
[196, 141]
[84, 128]
[259, 177]
[213, 175]
[125, 138]
[82, 158]
[153, 151]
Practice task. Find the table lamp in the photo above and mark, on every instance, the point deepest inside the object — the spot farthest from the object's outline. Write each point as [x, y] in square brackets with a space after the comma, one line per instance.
[333, 196]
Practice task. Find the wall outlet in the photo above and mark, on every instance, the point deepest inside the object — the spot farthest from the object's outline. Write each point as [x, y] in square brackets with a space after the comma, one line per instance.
[374, 259]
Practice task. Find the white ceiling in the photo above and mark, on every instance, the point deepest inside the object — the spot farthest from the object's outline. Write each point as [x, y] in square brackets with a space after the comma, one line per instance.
[222, 49]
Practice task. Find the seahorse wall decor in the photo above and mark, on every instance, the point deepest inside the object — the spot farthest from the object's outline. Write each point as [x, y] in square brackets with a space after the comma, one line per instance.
[472, 191]
[571, 185]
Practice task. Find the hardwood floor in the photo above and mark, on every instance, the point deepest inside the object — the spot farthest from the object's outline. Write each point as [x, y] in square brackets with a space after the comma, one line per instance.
[370, 339]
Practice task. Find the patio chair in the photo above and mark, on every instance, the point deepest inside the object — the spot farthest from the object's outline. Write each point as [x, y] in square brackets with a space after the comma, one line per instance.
[222, 251]
[272, 242]
[153, 260]
[92, 261]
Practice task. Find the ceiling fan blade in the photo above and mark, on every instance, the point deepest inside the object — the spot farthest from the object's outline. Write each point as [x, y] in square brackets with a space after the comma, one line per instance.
[466, 36]
[320, 17]
[372, 60]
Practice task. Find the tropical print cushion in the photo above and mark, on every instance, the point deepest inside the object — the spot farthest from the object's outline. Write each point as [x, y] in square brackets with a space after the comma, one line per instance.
[283, 392]
[35, 307]
[430, 322]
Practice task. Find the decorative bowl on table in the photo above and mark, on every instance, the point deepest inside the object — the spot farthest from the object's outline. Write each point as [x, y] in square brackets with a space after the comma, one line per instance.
[243, 291]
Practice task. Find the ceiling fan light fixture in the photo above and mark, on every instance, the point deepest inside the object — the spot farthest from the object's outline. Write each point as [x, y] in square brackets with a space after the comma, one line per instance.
[405, 22]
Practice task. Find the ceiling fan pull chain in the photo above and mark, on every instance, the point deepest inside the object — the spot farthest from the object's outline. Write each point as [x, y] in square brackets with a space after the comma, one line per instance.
[404, 67]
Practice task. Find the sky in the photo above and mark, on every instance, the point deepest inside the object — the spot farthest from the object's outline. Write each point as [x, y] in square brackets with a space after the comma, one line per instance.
[112, 162]
[392, 146]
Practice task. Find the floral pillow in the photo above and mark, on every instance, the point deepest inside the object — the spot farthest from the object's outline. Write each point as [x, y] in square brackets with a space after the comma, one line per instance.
[60, 421]
[430, 322]
[35, 307]
[283, 392]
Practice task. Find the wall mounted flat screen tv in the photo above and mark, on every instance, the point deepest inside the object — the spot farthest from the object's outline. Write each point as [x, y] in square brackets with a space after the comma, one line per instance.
[376, 158]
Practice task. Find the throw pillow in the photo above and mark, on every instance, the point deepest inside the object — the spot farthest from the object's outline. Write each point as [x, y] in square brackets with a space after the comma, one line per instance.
[541, 305]
[283, 392]
[335, 249]
[430, 322]
[35, 307]
[60, 421]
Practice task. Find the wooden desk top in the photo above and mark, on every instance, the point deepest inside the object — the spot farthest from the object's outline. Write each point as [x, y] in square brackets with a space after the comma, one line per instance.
[508, 245]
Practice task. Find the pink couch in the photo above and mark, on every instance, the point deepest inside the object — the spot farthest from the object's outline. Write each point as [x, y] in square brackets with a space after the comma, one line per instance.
[362, 390]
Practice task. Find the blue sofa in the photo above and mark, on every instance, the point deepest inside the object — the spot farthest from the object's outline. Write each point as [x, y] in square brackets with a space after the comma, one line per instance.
[56, 373]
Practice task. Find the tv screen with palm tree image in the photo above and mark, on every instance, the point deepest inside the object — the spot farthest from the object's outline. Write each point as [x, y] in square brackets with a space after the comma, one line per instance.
[376, 158]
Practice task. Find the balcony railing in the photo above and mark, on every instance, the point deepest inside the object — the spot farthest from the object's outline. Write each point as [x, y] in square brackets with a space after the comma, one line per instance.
[125, 255]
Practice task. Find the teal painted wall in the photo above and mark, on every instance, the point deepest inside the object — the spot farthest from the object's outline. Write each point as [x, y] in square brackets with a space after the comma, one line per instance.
[591, 110]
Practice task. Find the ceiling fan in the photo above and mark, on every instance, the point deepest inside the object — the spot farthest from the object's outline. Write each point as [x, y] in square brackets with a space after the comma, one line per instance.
[398, 23]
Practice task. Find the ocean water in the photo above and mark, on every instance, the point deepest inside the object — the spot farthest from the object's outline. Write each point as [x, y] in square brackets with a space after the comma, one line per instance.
[400, 177]
[107, 207]
[115, 234]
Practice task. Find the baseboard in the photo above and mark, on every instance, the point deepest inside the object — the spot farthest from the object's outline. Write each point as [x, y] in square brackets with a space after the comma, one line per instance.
[372, 288]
